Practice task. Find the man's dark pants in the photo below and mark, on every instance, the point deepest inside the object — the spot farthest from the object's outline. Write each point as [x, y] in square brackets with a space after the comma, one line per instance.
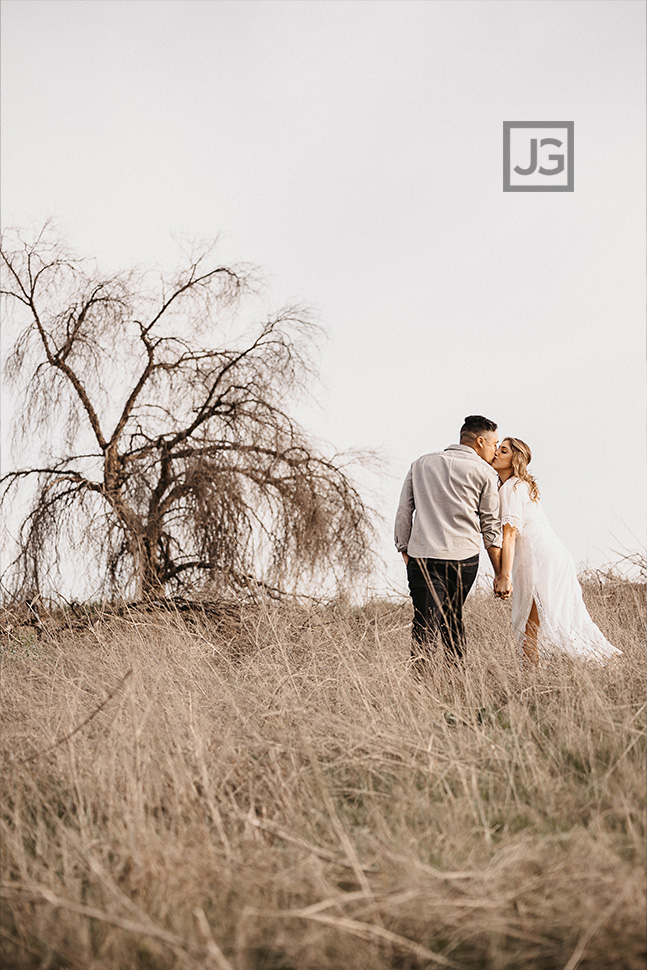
[438, 589]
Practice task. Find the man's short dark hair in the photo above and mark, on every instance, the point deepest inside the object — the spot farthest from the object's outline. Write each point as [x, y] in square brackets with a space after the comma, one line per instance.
[476, 424]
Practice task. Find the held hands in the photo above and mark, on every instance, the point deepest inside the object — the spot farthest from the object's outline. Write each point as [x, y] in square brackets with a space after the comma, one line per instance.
[502, 587]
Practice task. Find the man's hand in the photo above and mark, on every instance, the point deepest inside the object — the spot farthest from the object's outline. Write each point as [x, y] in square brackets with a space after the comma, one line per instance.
[405, 556]
[502, 587]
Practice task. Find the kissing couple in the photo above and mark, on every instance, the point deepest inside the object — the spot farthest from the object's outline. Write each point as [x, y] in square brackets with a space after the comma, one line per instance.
[478, 488]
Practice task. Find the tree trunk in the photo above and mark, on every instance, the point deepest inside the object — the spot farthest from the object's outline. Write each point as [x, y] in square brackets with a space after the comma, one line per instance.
[149, 572]
[143, 538]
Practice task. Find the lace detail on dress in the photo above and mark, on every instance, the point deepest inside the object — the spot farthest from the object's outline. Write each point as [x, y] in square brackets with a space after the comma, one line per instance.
[511, 505]
[509, 519]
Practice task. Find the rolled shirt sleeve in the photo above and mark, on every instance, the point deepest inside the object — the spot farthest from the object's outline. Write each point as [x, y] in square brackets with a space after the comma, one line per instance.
[404, 515]
[489, 515]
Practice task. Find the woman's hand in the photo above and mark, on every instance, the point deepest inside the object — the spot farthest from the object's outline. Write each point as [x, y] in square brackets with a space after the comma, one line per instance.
[502, 587]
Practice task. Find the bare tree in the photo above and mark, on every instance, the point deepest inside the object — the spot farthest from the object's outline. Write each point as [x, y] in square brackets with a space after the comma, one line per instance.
[168, 459]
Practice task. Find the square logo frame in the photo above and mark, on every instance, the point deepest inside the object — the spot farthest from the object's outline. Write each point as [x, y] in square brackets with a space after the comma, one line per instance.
[569, 127]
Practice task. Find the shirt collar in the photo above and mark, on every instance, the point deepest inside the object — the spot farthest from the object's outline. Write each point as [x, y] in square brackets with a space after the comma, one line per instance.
[465, 449]
[470, 453]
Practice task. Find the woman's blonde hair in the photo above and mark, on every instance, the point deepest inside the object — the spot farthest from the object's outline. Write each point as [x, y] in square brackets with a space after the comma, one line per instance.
[521, 458]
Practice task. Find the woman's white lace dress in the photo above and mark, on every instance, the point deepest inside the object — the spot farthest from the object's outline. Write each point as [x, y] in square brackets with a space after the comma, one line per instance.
[544, 570]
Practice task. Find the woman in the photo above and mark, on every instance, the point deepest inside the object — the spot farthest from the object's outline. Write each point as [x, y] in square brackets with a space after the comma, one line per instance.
[547, 604]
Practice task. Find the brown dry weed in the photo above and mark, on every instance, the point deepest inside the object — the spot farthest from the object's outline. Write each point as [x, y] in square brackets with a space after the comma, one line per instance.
[277, 792]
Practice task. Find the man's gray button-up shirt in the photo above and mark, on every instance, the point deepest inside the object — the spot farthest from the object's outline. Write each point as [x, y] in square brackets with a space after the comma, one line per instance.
[449, 500]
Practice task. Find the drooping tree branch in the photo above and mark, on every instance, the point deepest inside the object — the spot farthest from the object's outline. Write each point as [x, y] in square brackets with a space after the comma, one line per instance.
[205, 479]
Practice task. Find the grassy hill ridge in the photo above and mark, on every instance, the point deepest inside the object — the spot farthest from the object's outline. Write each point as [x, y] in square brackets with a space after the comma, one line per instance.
[275, 790]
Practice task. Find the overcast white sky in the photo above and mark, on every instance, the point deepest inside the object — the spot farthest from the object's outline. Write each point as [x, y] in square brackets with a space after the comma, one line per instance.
[353, 150]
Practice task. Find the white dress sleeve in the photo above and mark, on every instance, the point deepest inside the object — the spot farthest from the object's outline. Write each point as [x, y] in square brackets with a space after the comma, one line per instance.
[511, 504]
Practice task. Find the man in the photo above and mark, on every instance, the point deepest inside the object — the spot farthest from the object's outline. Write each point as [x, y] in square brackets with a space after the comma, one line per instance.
[454, 496]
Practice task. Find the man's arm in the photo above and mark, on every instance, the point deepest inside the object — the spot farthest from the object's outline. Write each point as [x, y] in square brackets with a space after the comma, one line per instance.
[491, 524]
[403, 517]
[494, 552]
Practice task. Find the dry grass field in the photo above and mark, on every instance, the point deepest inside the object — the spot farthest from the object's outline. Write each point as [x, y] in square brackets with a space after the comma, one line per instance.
[272, 790]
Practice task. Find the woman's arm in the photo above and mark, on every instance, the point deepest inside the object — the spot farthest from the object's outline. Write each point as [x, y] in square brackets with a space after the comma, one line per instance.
[503, 583]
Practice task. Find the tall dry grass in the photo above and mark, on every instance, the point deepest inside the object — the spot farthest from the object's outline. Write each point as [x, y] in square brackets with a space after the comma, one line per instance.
[276, 791]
